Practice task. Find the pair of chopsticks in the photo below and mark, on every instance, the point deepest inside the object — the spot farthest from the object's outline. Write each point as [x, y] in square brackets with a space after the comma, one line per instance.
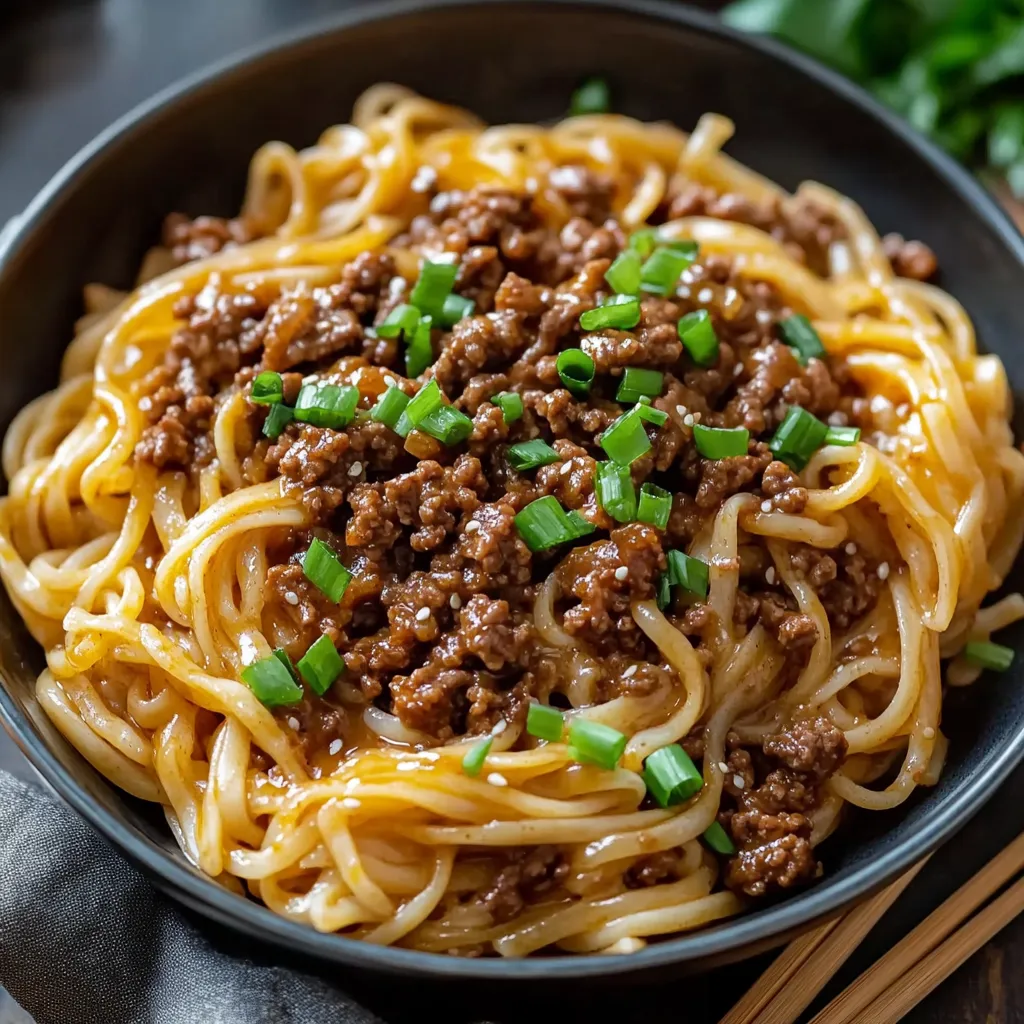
[923, 959]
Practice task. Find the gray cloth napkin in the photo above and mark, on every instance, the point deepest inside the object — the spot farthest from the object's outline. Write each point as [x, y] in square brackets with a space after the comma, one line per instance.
[85, 939]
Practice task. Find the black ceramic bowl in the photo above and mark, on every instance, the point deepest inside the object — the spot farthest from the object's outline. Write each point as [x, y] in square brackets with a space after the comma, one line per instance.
[510, 61]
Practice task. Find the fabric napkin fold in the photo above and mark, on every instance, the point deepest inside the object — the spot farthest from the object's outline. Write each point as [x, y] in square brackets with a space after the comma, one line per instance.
[85, 939]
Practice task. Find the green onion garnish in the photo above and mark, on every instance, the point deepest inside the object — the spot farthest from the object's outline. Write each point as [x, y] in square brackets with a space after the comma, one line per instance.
[272, 682]
[419, 353]
[580, 526]
[626, 439]
[664, 591]
[671, 777]
[322, 567]
[637, 383]
[531, 454]
[544, 524]
[615, 491]
[649, 415]
[799, 334]
[277, 419]
[720, 442]
[424, 402]
[715, 836]
[595, 743]
[842, 436]
[797, 438]
[697, 334]
[321, 665]
[473, 762]
[544, 722]
[390, 407]
[684, 246]
[989, 655]
[576, 370]
[624, 273]
[510, 404]
[267, 388]
[655, 506]
[447, 424]
[402, 320]
[454, 308]
[620, 311]
[644, 242]
[689, 573]
[592, 97]
[435, 283]
[661, 271]
[327, 405]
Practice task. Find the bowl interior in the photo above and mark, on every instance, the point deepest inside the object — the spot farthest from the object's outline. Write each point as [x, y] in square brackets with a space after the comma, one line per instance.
[513, 62]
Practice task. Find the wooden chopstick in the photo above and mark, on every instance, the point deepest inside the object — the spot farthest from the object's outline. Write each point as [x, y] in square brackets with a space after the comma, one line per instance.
[854, 999]
[771, 1001]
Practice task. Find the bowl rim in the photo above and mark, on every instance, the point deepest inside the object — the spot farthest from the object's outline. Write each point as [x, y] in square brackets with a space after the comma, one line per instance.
[758, 929]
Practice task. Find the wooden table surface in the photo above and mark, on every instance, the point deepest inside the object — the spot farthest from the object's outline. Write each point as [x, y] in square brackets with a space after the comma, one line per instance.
[69, 68]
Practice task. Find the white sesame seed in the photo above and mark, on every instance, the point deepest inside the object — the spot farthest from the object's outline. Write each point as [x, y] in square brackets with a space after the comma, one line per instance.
[291, 597]
[455, 601]
[422, 615]
[696, 417]
[883, 571]
[499, 727]
[737, 369]
[355, 469]
[681, 409]
[686, 277]
[497, 779]
[723, 767]
[688, 419]
[630, 672]
[567, 468]
[737, 781]
[851, 548]
[350, 802]
[621, 573]
[293, 724]
[683, 291]
[929, 732]
[763, 317]
[335, 747]
[472, 526]
[766, 505]
[390, 381]
[769, 575]
[705, 295]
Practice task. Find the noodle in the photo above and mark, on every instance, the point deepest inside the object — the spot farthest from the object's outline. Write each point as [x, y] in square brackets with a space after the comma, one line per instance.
[145, 577]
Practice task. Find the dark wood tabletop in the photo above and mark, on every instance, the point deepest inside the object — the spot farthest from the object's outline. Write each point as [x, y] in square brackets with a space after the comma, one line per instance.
[69, 68]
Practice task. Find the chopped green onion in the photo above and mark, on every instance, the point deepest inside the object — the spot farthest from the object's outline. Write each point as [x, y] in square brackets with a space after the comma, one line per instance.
[720, 442]
[424, 402]
[689, 573]
[402, 320]
[453, 309]
[327, 405]
[799, 334]
[576, 370]
[531, 454]
[615, 491]
[435, 283]
[649, 415]
[655, 506]
[419, 353]
[626, 439]
[272, 682]
[638, 383]
[592, 97]
[322, 567]
[321, 665]
[544, 524]
[544, 722]
[282, 656]
[842, 436]
[510, 404]
[660, 273]
[644, 242]
[664, 591]
[697, 333]
[473, 762]
[717, 838]
[390, 407]
[267, 388]
[581, 527]
[671, 777]
[797, 438]
[624, 273]
[277, 419]
[620, 311]
[447, 424]
[596, 743]
[684, 246]
[989, 655]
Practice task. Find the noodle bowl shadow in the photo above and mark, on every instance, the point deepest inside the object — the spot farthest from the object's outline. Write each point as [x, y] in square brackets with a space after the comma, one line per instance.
[189, 148]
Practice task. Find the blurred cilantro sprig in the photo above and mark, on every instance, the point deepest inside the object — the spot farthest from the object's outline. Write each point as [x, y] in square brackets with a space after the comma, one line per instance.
[953, 68]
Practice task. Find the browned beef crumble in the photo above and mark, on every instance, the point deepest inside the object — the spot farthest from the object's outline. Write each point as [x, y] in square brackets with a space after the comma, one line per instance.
[437, 626]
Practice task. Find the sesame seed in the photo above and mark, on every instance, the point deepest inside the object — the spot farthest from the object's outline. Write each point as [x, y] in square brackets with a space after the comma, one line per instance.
[883, 571]
[688, 419]
[350, 802]
[630, 672]
[737, 369]
[422, 615]
[763, 317]
[929, 733]
[696, 417]
[291, 597]
[686, 277]
[769, 575]
[293, 724]
[499, 727]
[723, 767]
[737, 781]
[851, 548]
[683, 291]
[705, 295]
[497, 779]
[335, 747]
[567, 468]
[681, 409]
[355, 469]
[621, 573]
[472, 526]
[455, 601]
[390, 381]
[766, 505]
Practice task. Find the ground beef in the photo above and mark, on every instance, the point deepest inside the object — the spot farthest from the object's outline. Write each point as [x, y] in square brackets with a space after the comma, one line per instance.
[529, 872]
[910, 259]
[665, 866]
[189, 239]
